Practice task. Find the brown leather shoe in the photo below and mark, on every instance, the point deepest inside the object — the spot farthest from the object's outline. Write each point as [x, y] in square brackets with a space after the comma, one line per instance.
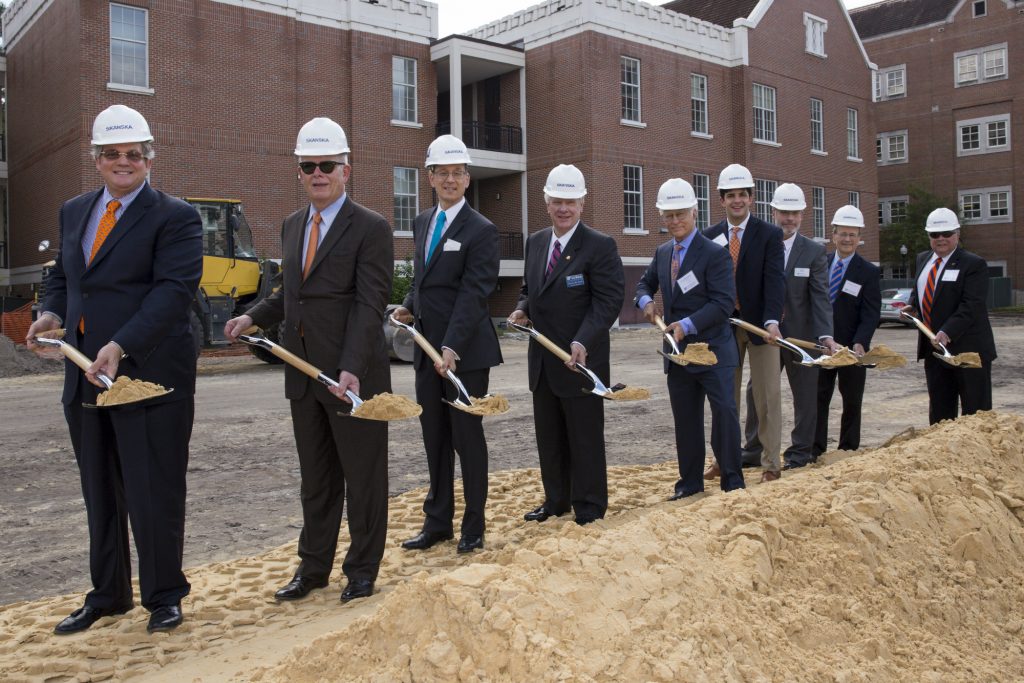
[712, 472]
[769, 475]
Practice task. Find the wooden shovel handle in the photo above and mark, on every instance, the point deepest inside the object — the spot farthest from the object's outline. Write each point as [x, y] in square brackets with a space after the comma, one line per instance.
[921, 326]
[427, 347]
[75, 356]
[287, 356]
[551, 346]
[810, 346]
[764, 334]
[660, 323]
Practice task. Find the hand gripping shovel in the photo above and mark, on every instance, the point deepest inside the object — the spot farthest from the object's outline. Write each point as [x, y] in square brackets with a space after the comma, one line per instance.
[360, 408]
[678, 357]
[965, 360]
[880, 356]
[599, 388]
[840, 359]
[488, 405]
[805, 358]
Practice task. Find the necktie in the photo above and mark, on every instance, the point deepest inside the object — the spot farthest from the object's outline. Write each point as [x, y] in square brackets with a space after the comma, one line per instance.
[833, 283]
[435, 239]
[312, 244]
[929, 293]
[734, 248]
[675, 262]
[556, 254]
[106, 224]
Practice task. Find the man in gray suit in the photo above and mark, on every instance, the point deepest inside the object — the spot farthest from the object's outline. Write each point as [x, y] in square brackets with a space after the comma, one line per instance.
[807, 314]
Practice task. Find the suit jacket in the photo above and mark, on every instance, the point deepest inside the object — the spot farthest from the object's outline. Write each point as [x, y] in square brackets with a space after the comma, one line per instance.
[855, 316]
[136, 291]
[340, 306]
[806, 313]
[760, 281]
[708, 303]
[958, 306]
[449, 295]
[579, 301]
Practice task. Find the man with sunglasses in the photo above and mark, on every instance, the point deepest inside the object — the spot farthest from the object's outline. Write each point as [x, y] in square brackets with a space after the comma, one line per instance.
[129, 264]
[456, 269]
[950, 293]
[337, 270]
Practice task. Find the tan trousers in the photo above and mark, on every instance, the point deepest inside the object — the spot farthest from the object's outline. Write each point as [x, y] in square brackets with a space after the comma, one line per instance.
[766, 384]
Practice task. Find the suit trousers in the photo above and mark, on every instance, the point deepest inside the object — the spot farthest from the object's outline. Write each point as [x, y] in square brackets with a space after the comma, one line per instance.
[570, 443]
[132, 462]
[767, 390]
[851, 387]
[338, 456]
[687, 391]
[803, 384]
[446, 431]
[971, 387]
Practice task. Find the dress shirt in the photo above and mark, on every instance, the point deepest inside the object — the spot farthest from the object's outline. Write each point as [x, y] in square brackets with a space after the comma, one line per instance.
[99, 209]
[685, 323]
[327, 217]
[788, 244]
[449, 216]
[922, 277]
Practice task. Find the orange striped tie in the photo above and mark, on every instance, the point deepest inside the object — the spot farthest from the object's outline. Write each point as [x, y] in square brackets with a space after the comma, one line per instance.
[312, 244]
[107, 222]
[734, 252]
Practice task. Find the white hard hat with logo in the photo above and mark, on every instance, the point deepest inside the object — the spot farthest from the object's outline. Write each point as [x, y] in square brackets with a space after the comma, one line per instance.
[565, 182]
[321, 137]
[447, 149]
[735, 177]
[941, 220]
[119, 124]
[676, 193]
[848, 216]
[789, 197]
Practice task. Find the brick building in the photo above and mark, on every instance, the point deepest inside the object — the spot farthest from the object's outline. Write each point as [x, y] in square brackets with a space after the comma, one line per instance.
[946, 115]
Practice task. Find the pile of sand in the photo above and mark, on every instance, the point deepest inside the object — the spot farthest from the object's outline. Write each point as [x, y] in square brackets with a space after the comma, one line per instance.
[17, 360]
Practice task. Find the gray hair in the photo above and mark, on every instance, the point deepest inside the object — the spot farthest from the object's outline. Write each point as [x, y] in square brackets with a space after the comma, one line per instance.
[147, 150]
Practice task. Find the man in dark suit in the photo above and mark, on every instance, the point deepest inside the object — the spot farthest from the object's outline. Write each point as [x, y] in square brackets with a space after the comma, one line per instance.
[950, 293]
[573, 285]
[807, 314]
[755, 247]
[696, 280]
[337, 269]
[856, 297]
[129, 265]
[456, 269]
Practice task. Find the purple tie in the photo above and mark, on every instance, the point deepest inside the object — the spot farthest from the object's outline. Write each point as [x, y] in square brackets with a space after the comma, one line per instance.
[556, 254]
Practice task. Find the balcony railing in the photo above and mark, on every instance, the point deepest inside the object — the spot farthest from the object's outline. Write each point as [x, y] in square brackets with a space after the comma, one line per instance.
[511, 245]
[495, 137]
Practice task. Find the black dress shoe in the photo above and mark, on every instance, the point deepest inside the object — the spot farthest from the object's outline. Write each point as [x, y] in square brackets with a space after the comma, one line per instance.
[468, 544]
[539, 515]
[84, 617]
[357, 588]
[165, 618]
[679, 495]
[426, 539]
[299, 587]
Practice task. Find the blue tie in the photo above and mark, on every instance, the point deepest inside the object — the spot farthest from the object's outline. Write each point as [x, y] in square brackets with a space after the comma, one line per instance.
[435, 239]
[837, 277]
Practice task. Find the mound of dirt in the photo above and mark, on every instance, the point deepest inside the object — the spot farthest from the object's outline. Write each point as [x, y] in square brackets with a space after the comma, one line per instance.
[17, 360]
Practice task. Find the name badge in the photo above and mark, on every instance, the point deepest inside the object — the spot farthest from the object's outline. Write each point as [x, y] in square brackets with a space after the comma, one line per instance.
[452, 245]
[721, 240]
[950, 275]
[574, 280]
[851, 288]
[801, 272]
[687, 282]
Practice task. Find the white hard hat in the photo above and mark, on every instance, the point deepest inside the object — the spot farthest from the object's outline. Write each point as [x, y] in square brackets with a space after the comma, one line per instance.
[447, 149]
[676, 193]
[735, 177]
[789, 197]
[565, 182]
[848, 216]
[941, 220]
[117, 124]
[321, 137]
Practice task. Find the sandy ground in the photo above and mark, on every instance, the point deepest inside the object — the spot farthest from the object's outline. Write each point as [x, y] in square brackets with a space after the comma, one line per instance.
[243, 500]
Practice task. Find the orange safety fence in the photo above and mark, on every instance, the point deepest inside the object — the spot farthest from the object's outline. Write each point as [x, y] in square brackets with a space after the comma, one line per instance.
[14, 324]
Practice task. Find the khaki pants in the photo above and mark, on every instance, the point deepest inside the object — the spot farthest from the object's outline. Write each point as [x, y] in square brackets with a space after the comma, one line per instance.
[767, 388]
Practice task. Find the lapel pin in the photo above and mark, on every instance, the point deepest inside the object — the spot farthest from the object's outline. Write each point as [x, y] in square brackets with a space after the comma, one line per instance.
[568, 257]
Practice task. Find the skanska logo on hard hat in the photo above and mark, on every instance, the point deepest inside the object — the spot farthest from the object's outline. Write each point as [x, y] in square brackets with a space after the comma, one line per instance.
[565, 184]
[118, 126]
[675, 196]
[453, 151]
[317, 140]
[737, 177]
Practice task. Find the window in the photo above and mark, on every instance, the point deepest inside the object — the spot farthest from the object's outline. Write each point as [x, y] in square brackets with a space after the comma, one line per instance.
[698, 104]
[891, 148]
[406, 198]
[129, 47]
[702, 188]
[817, 126]
[891, 83]
[763, 192]
[764, 114]
[630, 69]
[853, 198]
[403, 89]
[987, 204]
[632, 197]
[892, 210]
[814, 34]
[979, 8]
[818, 211]
[852, 135]
[980, 65]
[983, 135]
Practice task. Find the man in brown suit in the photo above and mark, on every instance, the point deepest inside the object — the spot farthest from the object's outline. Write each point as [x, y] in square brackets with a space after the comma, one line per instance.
[338, 263]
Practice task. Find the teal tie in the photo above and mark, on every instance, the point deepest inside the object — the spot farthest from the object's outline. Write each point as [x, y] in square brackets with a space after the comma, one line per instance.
[435, 239]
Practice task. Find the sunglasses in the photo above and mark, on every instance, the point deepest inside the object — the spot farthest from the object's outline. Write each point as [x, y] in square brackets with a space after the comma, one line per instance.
[133, 156]
[936, 235]
[326, 167]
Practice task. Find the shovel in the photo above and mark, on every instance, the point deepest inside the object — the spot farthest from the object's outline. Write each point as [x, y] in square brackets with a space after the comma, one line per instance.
[805, 358]
[677, 356]
[823, 359]
[966, 360]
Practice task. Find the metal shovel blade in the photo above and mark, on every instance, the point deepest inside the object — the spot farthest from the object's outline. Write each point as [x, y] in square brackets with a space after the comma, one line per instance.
[598, 389]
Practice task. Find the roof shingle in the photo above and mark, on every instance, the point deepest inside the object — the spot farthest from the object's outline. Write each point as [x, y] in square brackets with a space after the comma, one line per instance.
[898, 15]
[720, 12]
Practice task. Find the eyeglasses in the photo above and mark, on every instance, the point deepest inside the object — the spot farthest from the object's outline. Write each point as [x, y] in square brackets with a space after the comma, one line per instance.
[133, 156]
[326, 167]
[445, 175]
[847, 235]
[937, 235]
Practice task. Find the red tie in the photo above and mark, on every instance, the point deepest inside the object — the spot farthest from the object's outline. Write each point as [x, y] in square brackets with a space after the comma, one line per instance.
[929, 293]
[312, 244]
[106, 224]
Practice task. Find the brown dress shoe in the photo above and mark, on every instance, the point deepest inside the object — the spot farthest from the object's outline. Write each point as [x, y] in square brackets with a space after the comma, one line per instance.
[712, 472]
[768, 475]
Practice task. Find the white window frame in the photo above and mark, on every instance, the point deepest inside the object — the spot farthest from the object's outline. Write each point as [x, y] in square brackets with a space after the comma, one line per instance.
[885, 208]
[629, 90]
[764, 190]
[853, 198]
[987, 196]
[852, 134]
[818, 127]
[818, 211]
[633, 196]
[699, 107]
[814, 35]
[891, 83]
[888, 140]
[984, 125]
[115, 84]
[398, 117]
[702, 189]
[975, 6]
[765, 105]
[396, 195]
[971, 67]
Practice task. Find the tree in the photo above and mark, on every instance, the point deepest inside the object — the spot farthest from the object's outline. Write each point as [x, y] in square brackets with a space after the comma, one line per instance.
[910, 230]
[401, 282]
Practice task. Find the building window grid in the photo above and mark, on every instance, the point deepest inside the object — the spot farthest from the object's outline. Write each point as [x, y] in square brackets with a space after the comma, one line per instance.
[892, 210]
[630, 84]
[852, 134]
[891, 82]
[995, 63]
[702, 189]
[764, 113]
[987, 205]
[699, 104]
[979, 8]
[891, 147]
[980, 65]
[129, 46]
[406, 197]
[632, 197]
[818, 211]
[403, 89]
[814, 34]
[763, 192]
[817, 125]
[853, 198]
[983, 135]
